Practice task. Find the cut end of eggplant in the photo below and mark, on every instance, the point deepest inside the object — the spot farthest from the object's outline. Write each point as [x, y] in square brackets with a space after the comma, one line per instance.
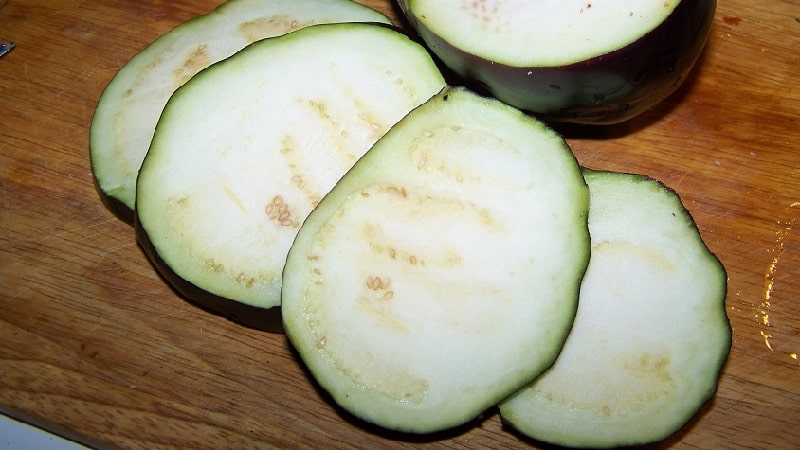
[650, 336]
[543, 33]
[581, 62]
[441, 273]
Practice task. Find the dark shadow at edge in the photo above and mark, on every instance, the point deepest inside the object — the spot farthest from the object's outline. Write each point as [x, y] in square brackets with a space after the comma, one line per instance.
[116, 207]
[262, 319]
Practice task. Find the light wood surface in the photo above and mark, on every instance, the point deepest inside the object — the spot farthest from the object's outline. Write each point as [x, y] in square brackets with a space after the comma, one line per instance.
[95, 346]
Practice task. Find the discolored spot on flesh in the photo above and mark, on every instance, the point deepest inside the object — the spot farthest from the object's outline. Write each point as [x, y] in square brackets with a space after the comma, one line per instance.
[375, 303]
[295, 161]
[380, 244]
[179, 202]
[342, 147]
[321, 109]
[401, 191]
[452, 153]
[235, 199]
[650, 256]
[483, 11]
[262, 27]
[647, 365]
[394, 380]
[246, 280]
[214, 266]
[177, 208]
[649, 380]
[194, 63]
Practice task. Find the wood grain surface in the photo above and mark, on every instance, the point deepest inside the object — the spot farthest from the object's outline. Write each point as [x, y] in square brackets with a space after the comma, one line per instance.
[95, 346]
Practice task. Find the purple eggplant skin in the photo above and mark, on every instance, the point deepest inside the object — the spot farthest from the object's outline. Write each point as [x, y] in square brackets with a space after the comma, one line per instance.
[610, 88]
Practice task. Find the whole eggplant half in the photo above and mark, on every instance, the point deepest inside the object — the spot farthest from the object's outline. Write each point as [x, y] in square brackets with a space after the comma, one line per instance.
[568, 61]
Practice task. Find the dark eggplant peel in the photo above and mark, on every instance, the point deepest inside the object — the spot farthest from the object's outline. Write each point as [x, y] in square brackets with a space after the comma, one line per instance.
[595, 62]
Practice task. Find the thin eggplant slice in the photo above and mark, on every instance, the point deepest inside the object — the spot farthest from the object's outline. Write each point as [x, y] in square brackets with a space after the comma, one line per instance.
[247, 148]
[126, 115]
[650, 336]
[441, 273]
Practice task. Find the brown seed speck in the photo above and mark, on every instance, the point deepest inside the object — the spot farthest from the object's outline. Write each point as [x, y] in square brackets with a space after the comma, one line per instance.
[277, 210]
[378, 283]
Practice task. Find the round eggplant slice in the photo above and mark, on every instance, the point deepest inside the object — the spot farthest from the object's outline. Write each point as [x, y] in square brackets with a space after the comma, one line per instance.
[126, 115]
[247, 148]
[452, 251]
[568, 61]
[650, 335]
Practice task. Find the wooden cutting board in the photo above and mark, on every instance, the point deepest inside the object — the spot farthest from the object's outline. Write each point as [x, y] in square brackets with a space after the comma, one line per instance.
[95, 346]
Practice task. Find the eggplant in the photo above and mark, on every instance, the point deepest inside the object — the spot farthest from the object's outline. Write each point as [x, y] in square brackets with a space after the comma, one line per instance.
[441, 273]
[583, 62]
[126, 115]
[247, 147]
[650, 336]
